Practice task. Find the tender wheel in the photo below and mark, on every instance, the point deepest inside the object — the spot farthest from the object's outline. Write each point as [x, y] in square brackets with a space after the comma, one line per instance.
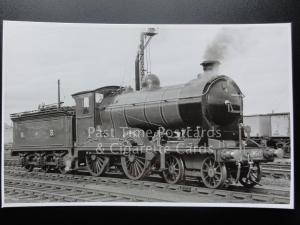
[29, 168]
[45, 169]
[63, 164]
[135, 165]
[96, 164]
[61, 167]
[48, 159]
[174, 172]
[253, 178]
[25, 162]
[213, 173]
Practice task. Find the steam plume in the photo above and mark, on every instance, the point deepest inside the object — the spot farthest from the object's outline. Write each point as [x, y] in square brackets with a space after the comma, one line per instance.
[223, 44]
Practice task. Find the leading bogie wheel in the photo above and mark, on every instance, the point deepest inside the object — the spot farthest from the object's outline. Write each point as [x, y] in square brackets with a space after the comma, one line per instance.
[96, 164]
[135, 165]
[213, 173]
[251, 178]
[174, 171]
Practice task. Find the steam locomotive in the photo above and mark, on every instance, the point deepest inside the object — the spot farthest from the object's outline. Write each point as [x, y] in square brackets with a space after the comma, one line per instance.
[190, 130]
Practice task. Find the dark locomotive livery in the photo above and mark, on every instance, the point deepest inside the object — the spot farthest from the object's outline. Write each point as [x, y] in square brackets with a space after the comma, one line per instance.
[195, 129]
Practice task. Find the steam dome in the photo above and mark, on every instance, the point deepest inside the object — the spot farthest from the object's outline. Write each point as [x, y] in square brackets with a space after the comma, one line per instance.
[150, 81]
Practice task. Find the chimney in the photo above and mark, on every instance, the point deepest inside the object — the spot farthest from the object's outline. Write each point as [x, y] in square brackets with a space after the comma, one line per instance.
[210, 66]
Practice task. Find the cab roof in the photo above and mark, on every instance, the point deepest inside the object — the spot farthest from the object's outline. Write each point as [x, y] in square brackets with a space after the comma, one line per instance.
[98, 89]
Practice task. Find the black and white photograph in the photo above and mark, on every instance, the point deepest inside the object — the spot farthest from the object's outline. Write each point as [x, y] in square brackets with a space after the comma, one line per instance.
[147, 115]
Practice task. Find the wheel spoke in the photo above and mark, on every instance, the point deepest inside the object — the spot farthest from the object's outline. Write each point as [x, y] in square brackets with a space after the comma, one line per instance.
[101, 162]
[133, 170]
[140, 167]
[98, 166]
[253, 175]
[213, 182]
[140, 161]
[130, 168]
[136, 165]
[136, 171]
[218, 176]
[94, 167]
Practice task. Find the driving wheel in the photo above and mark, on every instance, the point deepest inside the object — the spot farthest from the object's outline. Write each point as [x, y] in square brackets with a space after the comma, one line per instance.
[135, 165]
[96, 164]
[213, 173]
[174, 172]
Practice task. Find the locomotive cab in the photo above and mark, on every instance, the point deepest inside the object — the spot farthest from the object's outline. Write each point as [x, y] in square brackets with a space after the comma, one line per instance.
[85, 114]
[90, 110]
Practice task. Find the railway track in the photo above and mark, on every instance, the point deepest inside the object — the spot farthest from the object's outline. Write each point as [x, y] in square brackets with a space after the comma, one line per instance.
[271, 170]
[12, 162]
[278, 164]
[142, 190]
[19, 190]
[277, 170]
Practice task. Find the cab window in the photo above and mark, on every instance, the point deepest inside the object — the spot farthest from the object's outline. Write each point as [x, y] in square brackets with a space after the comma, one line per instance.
[86, 105]
[98, 98]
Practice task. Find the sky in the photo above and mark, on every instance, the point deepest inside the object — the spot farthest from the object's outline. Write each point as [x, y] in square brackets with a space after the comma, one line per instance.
[89, 56]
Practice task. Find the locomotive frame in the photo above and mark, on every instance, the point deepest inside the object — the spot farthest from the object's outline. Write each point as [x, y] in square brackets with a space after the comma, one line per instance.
[173, 158]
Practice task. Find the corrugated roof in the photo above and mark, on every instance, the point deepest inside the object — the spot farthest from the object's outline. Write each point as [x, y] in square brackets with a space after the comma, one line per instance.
[268, 114]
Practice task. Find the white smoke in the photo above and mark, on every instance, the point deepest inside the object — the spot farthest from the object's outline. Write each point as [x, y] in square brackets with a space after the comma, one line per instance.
[225, 43]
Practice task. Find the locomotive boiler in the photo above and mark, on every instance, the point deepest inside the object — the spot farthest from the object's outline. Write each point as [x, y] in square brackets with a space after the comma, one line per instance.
[194, 129]
[212, 102]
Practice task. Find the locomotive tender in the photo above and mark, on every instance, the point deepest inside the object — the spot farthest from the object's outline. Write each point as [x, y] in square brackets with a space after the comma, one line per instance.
[194, 129]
